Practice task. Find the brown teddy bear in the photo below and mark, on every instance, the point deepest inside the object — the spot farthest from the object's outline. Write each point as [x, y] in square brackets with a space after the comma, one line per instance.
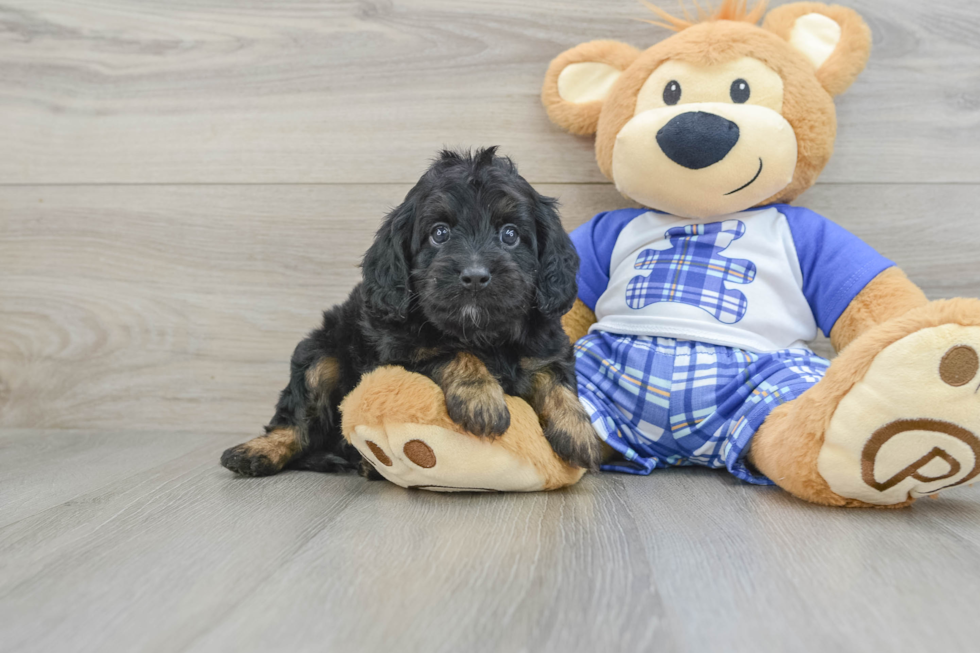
[693, 313]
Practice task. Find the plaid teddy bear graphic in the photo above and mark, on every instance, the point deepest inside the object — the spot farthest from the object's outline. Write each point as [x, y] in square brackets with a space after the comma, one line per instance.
[694, 271]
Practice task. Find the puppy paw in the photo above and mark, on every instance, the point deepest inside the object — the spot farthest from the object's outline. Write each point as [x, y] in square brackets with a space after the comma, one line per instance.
[367, 470]
[574, 440]
[479, 409]
[263, 456]
[248, 463]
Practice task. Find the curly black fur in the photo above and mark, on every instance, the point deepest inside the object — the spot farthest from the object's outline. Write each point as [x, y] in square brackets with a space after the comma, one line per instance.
[413, 308]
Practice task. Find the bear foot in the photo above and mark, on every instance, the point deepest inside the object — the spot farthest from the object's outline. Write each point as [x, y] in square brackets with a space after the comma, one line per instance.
[911, 426]
[398, 421]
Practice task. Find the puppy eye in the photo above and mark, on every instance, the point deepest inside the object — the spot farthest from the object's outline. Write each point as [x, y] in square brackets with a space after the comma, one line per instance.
[439, 234]
[672, 93]
[509, 235]
[740, 91]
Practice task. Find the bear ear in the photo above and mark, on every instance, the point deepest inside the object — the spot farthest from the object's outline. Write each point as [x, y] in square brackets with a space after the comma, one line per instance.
[578, 81]
[835, 39]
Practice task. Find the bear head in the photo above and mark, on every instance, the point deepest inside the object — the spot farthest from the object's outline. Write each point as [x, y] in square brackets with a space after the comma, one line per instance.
[722, 116]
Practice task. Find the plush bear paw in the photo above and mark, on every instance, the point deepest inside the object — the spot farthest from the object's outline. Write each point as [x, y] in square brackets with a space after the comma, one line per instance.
[399, 423]
[426, 457]
[911, 426]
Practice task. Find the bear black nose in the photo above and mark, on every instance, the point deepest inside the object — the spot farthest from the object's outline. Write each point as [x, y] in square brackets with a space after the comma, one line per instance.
[475, 277]
[697, 139]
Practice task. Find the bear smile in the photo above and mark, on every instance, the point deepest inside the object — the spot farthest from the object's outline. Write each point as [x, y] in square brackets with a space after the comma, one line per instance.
[751, 181]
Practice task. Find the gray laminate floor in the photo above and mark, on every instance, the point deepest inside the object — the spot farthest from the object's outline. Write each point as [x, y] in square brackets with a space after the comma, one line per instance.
[126, 542]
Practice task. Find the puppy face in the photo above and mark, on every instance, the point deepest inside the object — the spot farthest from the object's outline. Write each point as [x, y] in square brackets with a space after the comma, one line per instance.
[474, 249]
[474, 245]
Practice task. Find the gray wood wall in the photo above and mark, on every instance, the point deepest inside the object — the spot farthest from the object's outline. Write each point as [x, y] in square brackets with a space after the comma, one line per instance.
[184, 185]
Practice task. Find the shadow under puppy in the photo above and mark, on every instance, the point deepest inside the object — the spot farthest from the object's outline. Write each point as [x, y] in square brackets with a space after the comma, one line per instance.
[466, 283]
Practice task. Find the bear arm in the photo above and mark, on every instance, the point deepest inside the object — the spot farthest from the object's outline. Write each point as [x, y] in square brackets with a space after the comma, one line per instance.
[889, 295]
[577, 321]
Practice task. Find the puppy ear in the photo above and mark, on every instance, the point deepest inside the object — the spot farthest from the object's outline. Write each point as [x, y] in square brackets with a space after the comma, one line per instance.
[578, 82]
[557, 261]
[835, 39]
[385, 265]
[485, 156]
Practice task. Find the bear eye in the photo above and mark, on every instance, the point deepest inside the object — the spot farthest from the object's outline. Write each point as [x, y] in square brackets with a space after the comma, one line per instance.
[509, 235]
[672, 93]
[740, 91]
[439, 234]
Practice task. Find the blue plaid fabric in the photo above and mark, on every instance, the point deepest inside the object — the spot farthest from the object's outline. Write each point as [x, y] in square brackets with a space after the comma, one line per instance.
[694, 271]
[662, 402]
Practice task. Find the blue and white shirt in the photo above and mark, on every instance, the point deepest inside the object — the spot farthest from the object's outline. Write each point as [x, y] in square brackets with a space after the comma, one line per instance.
[761, 280]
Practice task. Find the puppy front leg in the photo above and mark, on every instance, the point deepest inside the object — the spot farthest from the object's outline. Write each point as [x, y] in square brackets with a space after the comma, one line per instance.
[474, 399]
[565, 423]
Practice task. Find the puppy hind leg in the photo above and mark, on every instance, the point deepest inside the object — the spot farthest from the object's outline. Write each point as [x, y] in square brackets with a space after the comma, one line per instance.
[285, 436]
[322, 461]
[325, 450]
[301, 405]
[265, 455]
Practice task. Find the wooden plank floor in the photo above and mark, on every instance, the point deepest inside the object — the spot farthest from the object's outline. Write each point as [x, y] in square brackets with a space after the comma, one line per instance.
[185, 185]
[139, 542]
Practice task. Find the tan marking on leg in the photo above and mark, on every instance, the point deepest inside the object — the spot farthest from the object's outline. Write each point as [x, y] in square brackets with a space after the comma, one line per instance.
[562, 408]
[279, 446]
[321, 379]
[534, 364]
[424, 353]
[565, 422]
[959, 366]
[474, 398]
[466, 368]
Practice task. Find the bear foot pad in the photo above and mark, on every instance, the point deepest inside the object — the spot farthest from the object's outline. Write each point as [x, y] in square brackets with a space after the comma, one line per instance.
[911, 426]
[427, 457]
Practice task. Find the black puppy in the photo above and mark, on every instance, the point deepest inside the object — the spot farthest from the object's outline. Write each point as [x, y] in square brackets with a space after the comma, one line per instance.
[466, 283]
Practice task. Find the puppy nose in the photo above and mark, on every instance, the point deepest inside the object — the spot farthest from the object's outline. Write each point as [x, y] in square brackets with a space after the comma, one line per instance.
[697, 139]
[475, 277]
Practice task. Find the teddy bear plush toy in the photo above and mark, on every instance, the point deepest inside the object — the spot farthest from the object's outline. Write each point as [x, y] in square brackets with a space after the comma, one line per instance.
[694, 312]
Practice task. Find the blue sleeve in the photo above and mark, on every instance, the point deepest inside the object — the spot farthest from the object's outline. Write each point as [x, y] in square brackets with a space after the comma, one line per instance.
[836, 264]
[594, 241]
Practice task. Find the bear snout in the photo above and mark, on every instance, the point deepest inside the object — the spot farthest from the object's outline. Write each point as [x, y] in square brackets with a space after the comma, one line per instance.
[697, 139]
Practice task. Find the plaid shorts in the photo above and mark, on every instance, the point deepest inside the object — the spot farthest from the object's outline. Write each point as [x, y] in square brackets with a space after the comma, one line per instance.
[662, 402]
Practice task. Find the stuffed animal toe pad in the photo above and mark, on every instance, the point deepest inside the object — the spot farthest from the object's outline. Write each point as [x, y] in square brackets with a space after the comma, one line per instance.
[398, 421]
[896, 418]
[910, 427]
